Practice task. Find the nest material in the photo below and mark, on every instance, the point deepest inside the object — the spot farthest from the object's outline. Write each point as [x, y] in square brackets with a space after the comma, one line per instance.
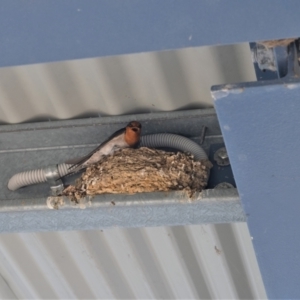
[141, 170]
[277, 43]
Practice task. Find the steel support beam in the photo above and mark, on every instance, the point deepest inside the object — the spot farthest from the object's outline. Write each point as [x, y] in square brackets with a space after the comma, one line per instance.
[35, 31]
[261, 125]
[140, 210]
[38, 145]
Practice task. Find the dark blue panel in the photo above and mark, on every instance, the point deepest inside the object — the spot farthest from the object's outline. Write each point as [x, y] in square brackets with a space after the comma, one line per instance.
[35, 31]
[261, 127]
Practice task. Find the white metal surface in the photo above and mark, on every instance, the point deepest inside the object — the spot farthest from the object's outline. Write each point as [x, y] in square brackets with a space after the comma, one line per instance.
[191, 262]
[184, 262]
[146, 82]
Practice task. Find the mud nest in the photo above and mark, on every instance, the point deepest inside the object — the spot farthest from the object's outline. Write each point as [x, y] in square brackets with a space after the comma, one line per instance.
[141, 170]
[277, 43]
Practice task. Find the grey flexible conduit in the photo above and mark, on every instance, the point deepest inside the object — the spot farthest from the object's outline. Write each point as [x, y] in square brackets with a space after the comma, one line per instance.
[159, 140]
[169, 140]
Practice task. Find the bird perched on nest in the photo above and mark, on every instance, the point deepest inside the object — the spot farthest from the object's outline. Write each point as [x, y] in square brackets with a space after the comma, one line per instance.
[123, 138]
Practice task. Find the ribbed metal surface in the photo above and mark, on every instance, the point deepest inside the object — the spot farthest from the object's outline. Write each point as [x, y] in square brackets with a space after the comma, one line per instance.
[184, 262]
[191, 262]
[146, 82]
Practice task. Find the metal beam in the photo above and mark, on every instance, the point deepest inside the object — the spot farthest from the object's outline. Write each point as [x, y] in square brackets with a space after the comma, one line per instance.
[140, 210]
[37, 145]
[261, 125]
[35, 31]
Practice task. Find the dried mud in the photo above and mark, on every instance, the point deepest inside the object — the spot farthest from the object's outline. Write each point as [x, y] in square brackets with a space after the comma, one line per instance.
[130, 171]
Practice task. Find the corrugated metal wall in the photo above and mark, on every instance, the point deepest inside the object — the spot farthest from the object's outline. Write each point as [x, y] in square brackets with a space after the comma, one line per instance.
[146, 82]
[186, 262]
[191, 262]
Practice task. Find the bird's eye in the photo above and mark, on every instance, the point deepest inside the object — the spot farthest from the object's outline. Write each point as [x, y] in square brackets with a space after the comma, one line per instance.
[134, 129]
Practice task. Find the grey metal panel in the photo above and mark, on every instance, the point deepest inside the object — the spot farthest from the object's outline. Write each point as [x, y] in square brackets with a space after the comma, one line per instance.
[88, 132]
[140, 210]
[41, 31]
[260, 121]
[141, 83]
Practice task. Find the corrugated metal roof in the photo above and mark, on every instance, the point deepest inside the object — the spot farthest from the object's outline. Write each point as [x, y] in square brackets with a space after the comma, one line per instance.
[183, 262]
[146, 82]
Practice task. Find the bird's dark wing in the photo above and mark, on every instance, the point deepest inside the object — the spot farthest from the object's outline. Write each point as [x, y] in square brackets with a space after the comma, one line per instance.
[78, 161]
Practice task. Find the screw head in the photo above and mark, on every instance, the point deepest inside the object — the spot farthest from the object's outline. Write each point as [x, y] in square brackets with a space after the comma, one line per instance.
[223, 153]
[221, 157]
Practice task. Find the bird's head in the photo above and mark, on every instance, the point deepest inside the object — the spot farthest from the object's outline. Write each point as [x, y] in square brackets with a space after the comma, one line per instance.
[132, 133]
